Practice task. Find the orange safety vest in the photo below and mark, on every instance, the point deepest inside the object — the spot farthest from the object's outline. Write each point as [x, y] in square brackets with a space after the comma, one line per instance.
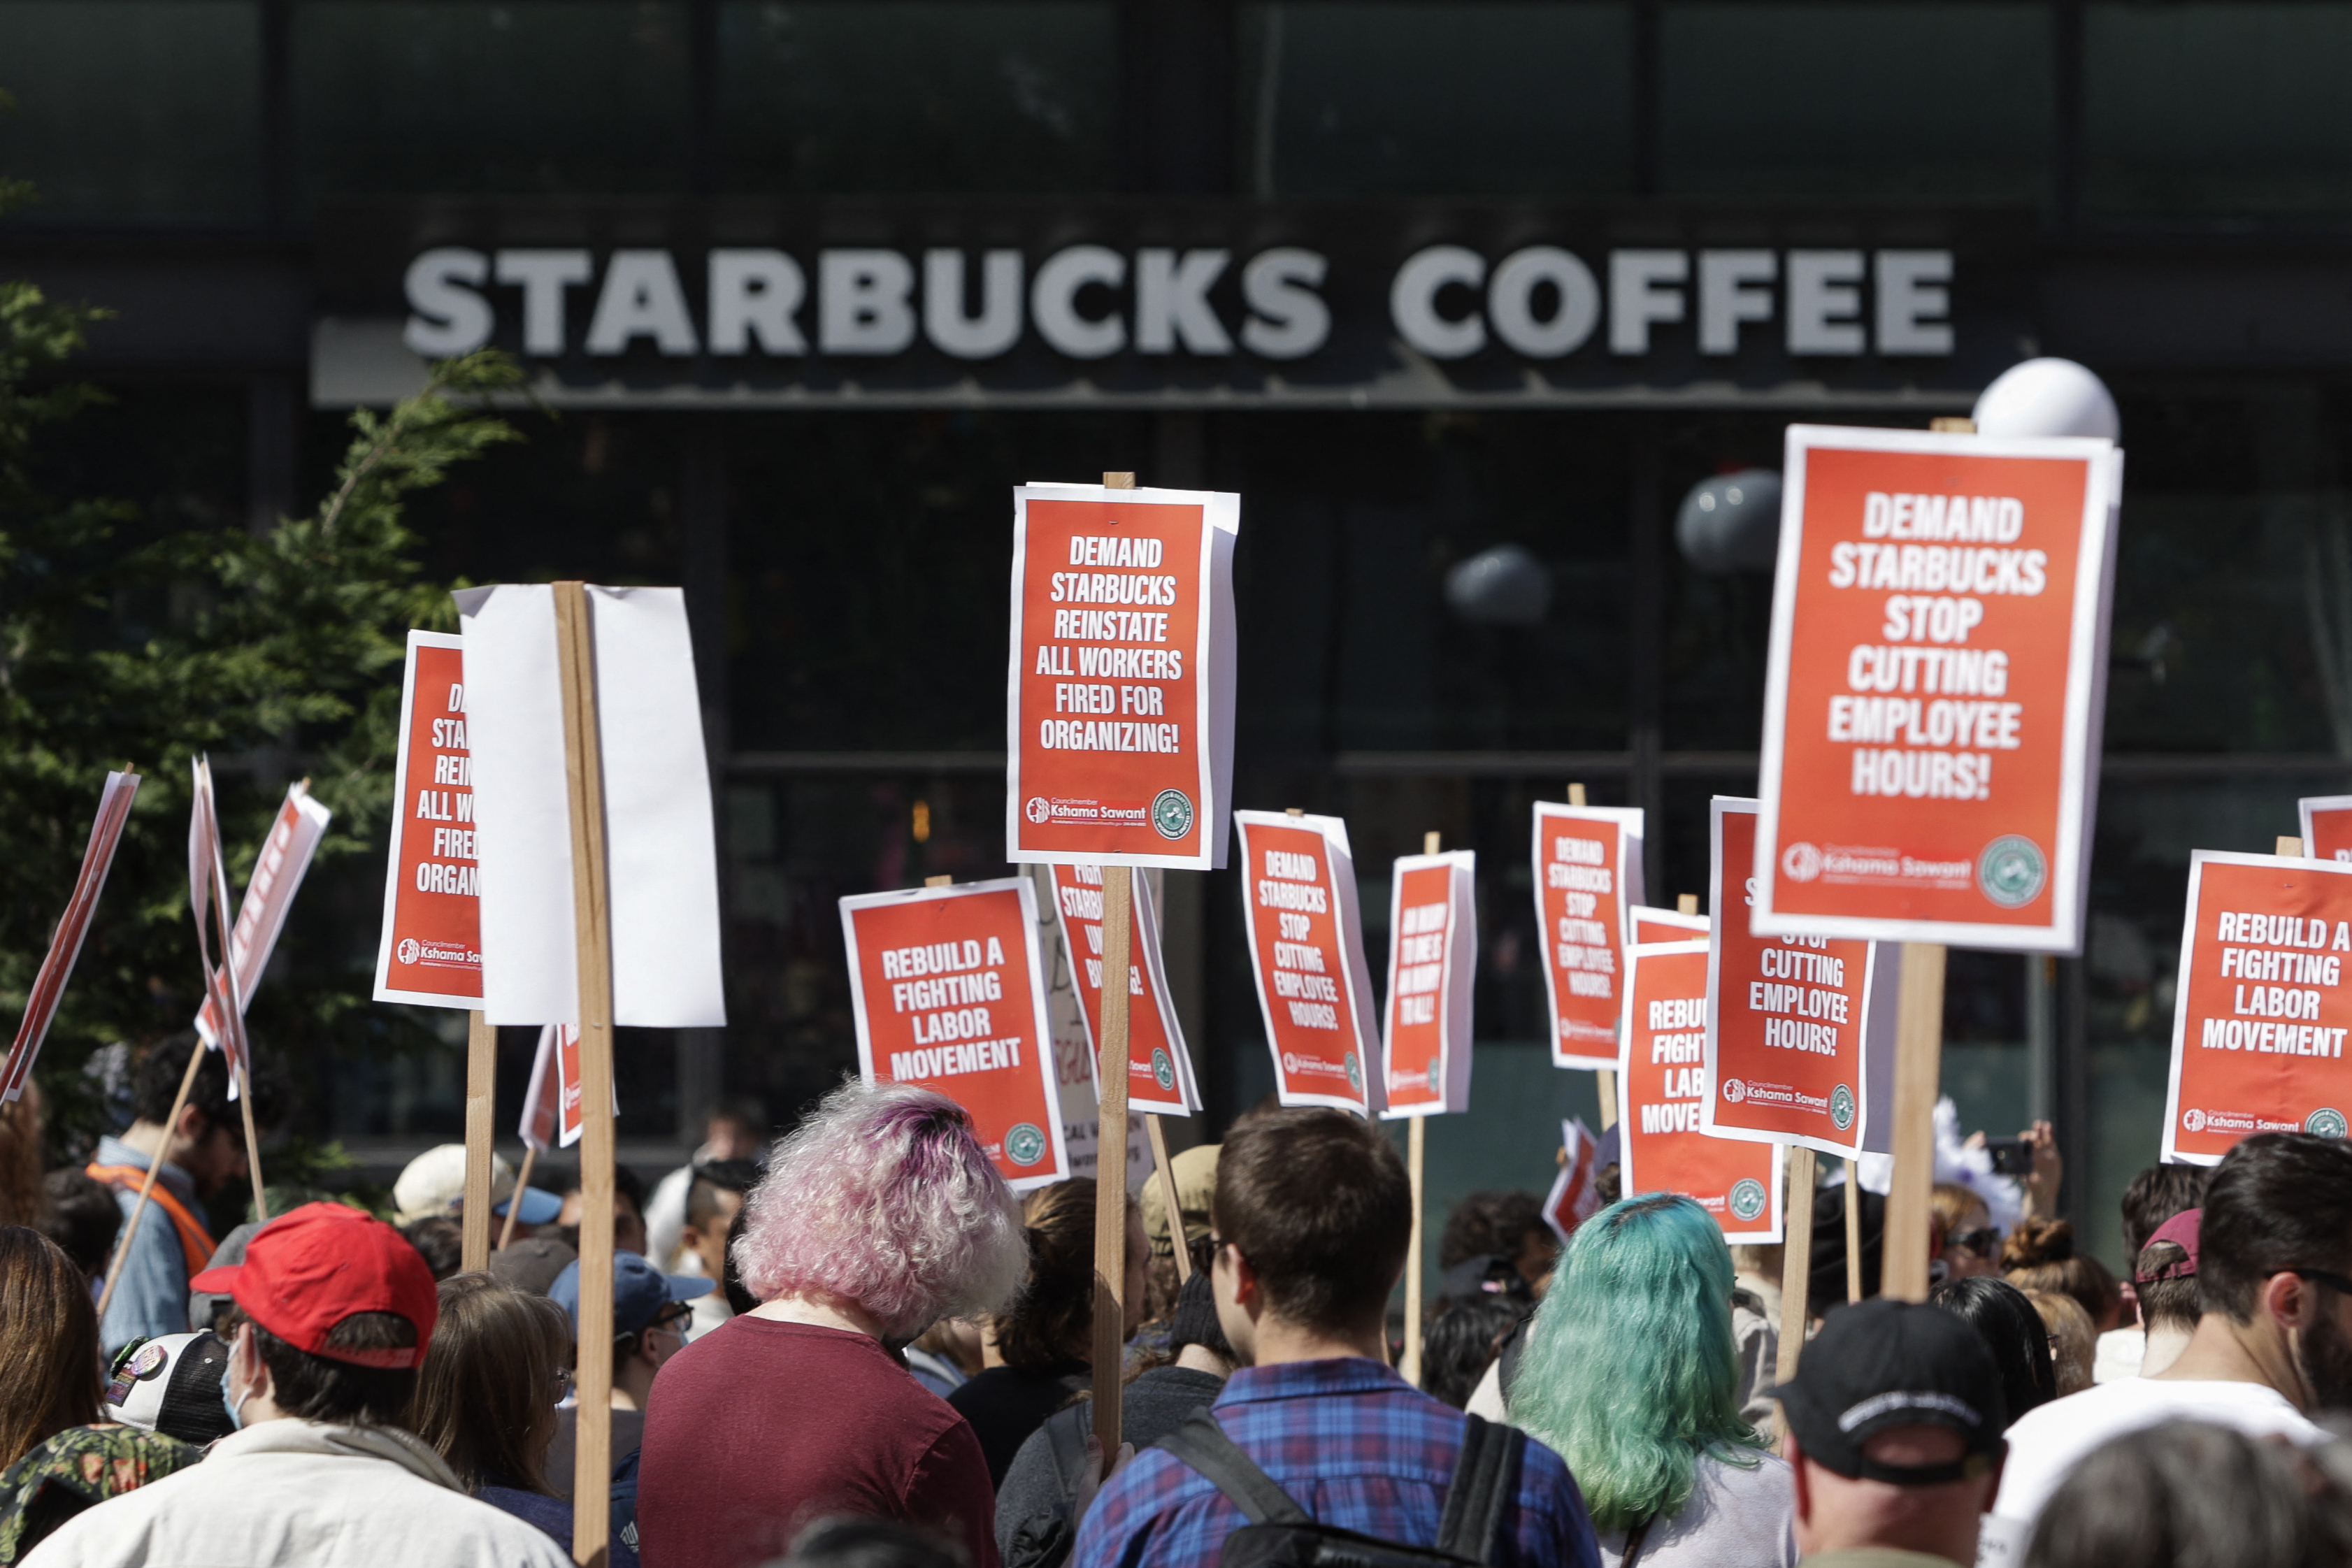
[195, 1242]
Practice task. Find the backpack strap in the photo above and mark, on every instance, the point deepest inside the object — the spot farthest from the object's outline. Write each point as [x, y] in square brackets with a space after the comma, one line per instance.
[1066, 1431]
[1486, 1477]
[1201, 1443]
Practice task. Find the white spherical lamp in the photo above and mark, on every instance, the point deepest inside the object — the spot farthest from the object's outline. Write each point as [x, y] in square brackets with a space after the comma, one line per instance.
[2047, 397]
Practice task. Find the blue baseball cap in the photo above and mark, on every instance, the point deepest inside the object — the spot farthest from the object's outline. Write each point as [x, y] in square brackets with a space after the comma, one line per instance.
[640, 1291]
[540, 1206]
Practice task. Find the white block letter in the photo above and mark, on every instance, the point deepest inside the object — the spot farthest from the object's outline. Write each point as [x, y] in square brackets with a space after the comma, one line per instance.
[755, 294]
[1510, 302]
[1727, 295]
[1915, 309]
[1289, 320]
[446, 316]
[1054, 301]
[1637, 297]
[1824, 306]
[544, 275]
[997, 327]
[862, 302]
[1171, 302]
[641, 299]
[1413, 301]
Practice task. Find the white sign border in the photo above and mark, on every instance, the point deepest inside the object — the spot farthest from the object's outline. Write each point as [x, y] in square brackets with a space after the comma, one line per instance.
[1457, 987]
[1347, 920]
[1629, 831]
[385, 991]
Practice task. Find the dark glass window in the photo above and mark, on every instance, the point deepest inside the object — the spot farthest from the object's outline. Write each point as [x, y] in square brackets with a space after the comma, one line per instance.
[1933, 101]
[132, 111]
[1363, 99]
[914, 95]
[2209, 109]
[533, 97]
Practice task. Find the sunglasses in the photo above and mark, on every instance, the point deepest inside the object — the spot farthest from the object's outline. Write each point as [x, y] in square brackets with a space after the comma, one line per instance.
[1980, 1242]
[2336, 1282]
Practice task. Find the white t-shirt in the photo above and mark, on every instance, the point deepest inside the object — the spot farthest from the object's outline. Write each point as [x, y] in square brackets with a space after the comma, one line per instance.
[1736, 1518]
[2049, 1442]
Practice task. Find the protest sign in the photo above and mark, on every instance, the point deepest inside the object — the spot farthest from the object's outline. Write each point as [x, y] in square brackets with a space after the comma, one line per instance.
[1307, 951]
[1935, 687]
[1075, 1064]
[551, 1106]
[2262, 1008]
[1119, 699]
[1788, 1020]
[1662, 1093]
[1574, 1198]
[1160, 1069]
[1652, 926]
[209, 902]
[430, 953]
[1433, 970]
[2326, 826]
[65, 945]
[662, 856]
[949, 993]
[1588, 874]
[277, 872]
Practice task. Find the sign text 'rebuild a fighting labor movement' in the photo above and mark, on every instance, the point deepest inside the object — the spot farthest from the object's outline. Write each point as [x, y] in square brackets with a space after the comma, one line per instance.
[2262, 1015]
[1120, 694]
[1932, 708]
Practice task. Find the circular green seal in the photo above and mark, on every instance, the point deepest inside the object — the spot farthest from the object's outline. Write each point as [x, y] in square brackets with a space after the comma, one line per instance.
[1163, 1071]
[2324, 1122]
[1171, 813]
[1842, 1107]
[2011, 871]
[1747, 1199]
[1355, 1072]
[1025, 1144]
[1437, 1077]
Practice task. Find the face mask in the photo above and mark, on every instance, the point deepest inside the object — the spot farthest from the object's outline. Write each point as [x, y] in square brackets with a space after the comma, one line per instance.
[231, 1405]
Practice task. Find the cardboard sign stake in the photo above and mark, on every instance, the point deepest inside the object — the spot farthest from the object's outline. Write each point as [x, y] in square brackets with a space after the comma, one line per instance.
[514, 1205]
[1853, 1234]
[1796, 1260]
[1605, 1081]
[592, 938]
[1165, 1173]
[147, 1187]
[481, 1097]
[1111, 1172]
[1918, 1053]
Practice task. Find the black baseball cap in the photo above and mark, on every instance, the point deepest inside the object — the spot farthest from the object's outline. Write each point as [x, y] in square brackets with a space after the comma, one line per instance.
[1884, 1364]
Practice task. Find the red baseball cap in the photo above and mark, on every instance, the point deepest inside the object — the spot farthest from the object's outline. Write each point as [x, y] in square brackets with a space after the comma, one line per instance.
[2182, 1230]
[312, 1267]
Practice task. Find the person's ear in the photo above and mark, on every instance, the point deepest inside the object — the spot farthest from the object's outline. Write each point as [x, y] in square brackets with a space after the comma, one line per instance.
[194, 1123]
[2288, 1301]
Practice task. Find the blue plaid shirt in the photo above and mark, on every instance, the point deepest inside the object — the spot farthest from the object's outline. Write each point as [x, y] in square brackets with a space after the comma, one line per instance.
[1355, 1446]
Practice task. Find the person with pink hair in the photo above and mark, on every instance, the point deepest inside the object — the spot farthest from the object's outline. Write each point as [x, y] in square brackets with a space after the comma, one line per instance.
[879, 1215]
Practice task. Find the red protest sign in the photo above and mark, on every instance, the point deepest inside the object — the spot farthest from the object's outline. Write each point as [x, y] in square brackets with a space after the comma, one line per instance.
[1433, 970]
[948, 994]
[431, 951]
[1158, 1068]
[1662, 1093]
[551, 1106]
[2259, 1025]
[277, 872]
[1937, 678]
[65, 946]
[1654, 925]
[1306, 949]
[1119, 713]
[1574, 1196]
[2326, 826]
[208, 890]
[1588, 873]
[1788, 1028]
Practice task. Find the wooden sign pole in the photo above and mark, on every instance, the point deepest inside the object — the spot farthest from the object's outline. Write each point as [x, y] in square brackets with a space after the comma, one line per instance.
[1796, 1260]
[1918, 1054]
[481, 1101]
[1111, 1142]
[584, 772]
[1853, 1233]
[2289, 849]
[1166, 1175]
[514, 1205]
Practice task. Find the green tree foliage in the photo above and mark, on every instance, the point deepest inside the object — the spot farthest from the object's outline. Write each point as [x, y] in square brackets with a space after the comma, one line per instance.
[280, 656]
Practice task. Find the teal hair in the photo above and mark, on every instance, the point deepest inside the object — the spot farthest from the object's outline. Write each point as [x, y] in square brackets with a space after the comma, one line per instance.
[1629, 1372]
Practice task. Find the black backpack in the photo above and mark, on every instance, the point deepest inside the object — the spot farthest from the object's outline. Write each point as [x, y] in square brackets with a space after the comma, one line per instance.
[1281, 1534]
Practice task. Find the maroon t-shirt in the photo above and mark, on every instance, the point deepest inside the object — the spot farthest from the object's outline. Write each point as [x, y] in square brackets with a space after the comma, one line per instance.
[760, 1428]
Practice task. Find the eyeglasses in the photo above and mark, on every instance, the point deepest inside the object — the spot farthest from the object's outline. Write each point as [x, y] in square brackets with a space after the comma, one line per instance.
[1218, 1244]
[2336, 1282]
[1980, 1242]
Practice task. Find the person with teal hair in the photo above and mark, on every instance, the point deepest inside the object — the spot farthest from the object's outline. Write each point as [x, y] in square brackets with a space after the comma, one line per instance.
[1631, 1374]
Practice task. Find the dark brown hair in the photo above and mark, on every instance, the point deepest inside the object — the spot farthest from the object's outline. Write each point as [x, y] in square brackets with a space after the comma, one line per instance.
[2277, 1201]
[486, 1396]
[2040, 1255]
[1051, 1320]
[1318, 1202]
[21, 1197]
[320, 1388]
[50, 1377]
[1489, 1223]
[2155, 1196]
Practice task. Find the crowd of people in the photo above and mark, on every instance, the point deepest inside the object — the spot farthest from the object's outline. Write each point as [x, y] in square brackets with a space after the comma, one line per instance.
[859, 1349]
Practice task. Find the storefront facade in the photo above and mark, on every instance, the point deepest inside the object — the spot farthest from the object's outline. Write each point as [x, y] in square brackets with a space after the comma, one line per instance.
[809, 286]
